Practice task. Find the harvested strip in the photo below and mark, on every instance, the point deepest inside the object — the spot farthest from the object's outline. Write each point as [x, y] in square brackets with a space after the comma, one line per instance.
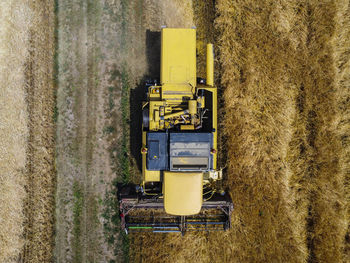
[40, 187]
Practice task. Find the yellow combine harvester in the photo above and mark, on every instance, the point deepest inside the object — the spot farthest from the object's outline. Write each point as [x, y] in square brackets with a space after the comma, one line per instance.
[181, 182]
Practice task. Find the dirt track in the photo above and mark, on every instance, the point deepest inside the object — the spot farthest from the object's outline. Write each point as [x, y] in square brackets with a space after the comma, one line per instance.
[103, 52]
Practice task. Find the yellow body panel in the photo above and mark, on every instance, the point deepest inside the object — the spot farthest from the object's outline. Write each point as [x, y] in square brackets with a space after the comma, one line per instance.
[183, 193]
[215, 118]
[210, 65]
[152, 176]
[178, 58]
[187, 127]
[174, 93]
[210, 82]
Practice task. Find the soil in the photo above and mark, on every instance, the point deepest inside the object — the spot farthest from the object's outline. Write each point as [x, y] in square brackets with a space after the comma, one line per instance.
[106, 49]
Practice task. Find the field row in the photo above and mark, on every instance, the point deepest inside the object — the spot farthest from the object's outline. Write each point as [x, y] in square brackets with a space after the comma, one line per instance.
[27, 173]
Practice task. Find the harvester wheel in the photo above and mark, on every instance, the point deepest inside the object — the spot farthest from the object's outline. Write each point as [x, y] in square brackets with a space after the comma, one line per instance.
[145, 117]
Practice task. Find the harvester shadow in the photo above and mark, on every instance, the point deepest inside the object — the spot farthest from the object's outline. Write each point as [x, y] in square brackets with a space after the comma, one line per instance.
[138, 94]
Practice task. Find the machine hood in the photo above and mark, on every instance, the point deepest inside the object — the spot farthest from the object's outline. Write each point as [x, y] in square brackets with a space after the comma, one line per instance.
[183, 193]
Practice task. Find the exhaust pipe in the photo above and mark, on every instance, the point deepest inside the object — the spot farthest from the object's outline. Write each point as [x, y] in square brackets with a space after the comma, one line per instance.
[210, 65]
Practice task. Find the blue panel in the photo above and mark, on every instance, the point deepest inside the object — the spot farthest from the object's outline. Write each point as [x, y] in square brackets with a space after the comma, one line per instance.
[153, 151]
[157, 156]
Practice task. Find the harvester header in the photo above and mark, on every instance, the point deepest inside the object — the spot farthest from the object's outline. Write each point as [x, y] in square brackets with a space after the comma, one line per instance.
[181, 189]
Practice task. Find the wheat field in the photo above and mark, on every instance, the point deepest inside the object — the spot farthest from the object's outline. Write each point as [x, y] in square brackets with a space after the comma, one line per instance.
[27, 176]
[283, 74]
[284, 78]
[13, 128]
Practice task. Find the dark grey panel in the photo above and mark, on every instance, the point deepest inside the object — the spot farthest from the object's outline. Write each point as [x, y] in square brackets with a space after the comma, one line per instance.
[190, 151]
[191, 137]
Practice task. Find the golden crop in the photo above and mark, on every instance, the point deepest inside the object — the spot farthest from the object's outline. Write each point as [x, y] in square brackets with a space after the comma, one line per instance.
[284, 70]
[27, 176]
[283, 74]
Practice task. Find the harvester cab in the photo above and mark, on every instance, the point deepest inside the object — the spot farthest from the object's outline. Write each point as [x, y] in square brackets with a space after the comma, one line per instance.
[181, 189]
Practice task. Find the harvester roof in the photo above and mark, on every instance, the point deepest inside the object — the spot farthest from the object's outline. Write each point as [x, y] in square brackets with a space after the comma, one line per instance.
[183, 193]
